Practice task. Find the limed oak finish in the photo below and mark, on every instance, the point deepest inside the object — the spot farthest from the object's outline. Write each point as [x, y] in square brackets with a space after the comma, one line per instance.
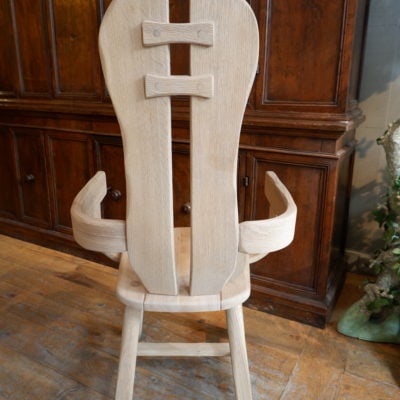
[300, 122]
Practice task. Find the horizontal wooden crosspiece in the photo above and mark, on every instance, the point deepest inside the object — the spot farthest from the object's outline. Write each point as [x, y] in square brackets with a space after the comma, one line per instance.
[156, 33]
[201, 86]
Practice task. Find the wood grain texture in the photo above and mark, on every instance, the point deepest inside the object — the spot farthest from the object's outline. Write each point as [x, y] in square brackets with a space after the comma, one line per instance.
[33, 47]
[110, 159]
[157, 33]
[298, 78]
[237, 342]
[183, 349]
[9, 201]
[35, 195]
[146, 132]
[259, 238]
[201, 86]
[73, 29]
[215, 131]
[60, 335]
[9, 79]
[68, 174]
[131, 291]
[90, 230]
[129, 347]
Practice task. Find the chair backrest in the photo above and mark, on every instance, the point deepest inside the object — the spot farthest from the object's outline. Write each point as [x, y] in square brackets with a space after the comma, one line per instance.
[134, 49]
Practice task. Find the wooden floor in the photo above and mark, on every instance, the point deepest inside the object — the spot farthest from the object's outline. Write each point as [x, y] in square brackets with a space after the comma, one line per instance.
[60, 326]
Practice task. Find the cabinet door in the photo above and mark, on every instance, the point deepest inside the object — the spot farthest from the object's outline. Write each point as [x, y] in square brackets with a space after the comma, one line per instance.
[302, 267]
[110, 159]
[181, 182]
[8, 180]
[32, 175]
[71, 166]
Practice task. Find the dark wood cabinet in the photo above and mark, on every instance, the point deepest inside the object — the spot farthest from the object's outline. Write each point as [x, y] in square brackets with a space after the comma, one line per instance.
[32, 177]
[181, 184]
[110, 159]
[9, 199]
[70, 161]
[57, 127]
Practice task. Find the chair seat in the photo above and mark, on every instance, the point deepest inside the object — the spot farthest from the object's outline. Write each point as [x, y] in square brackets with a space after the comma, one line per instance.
[131, 291]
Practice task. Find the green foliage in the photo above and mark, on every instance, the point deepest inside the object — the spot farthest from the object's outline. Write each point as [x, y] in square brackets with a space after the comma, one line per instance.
[379, 303]
[396, 184]
[388, 257]
[388, 220]
[389, 300]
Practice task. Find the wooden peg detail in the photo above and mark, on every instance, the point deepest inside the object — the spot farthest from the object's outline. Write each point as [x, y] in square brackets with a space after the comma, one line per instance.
[201, 86]
[156, 33]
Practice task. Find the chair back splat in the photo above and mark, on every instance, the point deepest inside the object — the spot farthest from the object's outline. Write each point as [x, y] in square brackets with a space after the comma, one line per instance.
[134, 50]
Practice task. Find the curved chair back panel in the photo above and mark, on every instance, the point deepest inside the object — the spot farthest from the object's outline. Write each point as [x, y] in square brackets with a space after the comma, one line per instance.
[134, 48]
[146, 133]
[215, 131]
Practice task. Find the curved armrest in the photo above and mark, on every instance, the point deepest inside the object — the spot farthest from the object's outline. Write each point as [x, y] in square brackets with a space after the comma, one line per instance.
[90, 230]
[258, 238]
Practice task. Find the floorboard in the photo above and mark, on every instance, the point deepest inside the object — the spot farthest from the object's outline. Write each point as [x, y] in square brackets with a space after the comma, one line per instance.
[60, 329]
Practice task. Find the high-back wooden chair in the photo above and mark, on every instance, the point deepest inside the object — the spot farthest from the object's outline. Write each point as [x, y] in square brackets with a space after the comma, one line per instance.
[204, 267]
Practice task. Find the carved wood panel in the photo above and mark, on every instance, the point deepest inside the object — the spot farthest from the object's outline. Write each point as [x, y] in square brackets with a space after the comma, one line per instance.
[74, 28]
[181, 184]
[33, 48]
[71, 166]
[32, 176]
[297, 266]
[303, 43]
[306, 60]
[8, 70]
[9, 202]
[110, 159]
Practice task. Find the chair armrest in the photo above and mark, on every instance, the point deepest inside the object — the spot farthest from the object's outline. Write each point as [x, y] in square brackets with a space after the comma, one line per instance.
[90, 230]
[258, 238]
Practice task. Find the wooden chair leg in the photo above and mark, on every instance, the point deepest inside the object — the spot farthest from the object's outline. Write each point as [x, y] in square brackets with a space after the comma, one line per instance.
[237, 342]
[129, 347]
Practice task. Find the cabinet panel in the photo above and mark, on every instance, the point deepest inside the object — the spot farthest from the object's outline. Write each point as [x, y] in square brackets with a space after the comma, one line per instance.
[304, 39]
[71, 166]
[8, 195]
[180, 53]
[181, 183]
[110, 159]
[9, 69]
[74, 35]
[295, 267]
[33, 47]
[33, 177]
[310, 57]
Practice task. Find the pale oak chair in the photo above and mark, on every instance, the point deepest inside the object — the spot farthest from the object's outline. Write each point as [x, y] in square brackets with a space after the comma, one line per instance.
[204, 267]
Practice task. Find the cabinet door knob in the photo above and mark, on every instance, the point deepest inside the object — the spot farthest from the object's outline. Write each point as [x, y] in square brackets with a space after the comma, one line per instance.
[186, 208]
[115, 194]
[29, 178]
